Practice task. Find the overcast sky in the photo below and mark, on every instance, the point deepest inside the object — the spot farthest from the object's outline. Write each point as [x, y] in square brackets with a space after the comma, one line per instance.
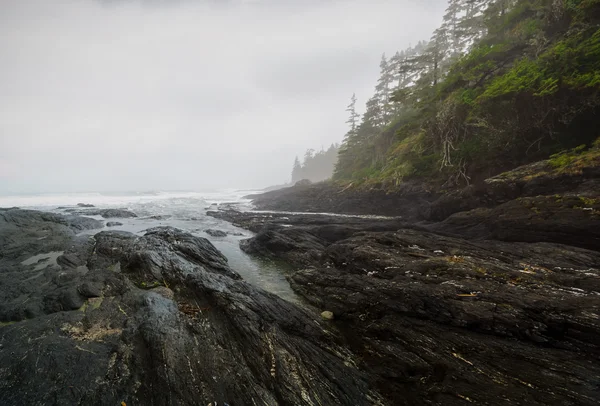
[112, 95]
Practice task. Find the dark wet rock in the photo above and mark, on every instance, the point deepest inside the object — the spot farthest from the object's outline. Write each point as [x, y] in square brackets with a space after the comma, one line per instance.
[113, 224]
[579, 178]
[255, 221]
[571, 220]
[32, 288]
[85, 205]
[215, 233]
[409, 200]
[292, 244]
[159, 217]
[300, 238]
[113, 213]
[438, 319]
[24, 233]
[106, 213]
[162, 319]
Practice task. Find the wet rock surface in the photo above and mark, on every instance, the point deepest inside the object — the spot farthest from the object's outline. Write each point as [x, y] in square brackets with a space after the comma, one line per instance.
[106, 213]
[571, 220]
[443, 320]
[488, 294]
[215, 233]
[113, 224]
[155, 319]
[485, 295]
[408, 201]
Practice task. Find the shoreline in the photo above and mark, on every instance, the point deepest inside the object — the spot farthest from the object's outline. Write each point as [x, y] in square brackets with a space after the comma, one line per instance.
[432, 307]
[440, 305]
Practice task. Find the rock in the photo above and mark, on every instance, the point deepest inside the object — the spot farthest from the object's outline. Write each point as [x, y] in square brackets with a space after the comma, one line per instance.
[303, 182]
[571, 220]
[438, 319]
[208, 337]
[164, 292]
[581, 177]
[410, 200]
[215, 233]
[327, 315]
[159, 217]
[116, 213]
[299, 238]
[292, 244]
[113, 224]
[85, 205]
[458, 324]
[106, 213]
[25, 233]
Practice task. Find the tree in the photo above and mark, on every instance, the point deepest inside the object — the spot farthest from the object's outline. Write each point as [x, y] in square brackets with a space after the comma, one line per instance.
[353, 119]
[296, 171]
[317, 166]
[383, 91]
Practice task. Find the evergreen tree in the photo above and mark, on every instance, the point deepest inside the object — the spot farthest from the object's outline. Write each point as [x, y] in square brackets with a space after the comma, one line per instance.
[296, 171]
[383, 90]
[317, 166]
[354, 116]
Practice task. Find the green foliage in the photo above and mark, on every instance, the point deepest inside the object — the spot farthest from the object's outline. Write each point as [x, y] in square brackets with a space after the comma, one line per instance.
[525, 76]
[574, 160]
[523, 91]
[565, 158]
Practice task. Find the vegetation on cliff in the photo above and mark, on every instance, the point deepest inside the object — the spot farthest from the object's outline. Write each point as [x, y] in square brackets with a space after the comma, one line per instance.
[501, 83]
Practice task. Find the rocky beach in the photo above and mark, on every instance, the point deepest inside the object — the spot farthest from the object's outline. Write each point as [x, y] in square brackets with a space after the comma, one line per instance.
[485, 295]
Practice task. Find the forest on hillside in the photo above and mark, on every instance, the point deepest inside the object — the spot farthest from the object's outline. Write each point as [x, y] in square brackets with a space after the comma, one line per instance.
[500, 83]
[316, 166]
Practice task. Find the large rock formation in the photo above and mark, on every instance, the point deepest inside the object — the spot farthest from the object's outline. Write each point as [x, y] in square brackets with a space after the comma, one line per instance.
[158, 319]
[442, 320]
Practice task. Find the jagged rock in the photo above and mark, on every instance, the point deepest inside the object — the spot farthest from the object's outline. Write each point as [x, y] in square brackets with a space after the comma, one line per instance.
[571, 220]
[85, 205]
[105, 338]
[113, 224]
[435, 329]
[438, 319]
[106, 213]
[581, 177]
[409, 200]
[215, 233]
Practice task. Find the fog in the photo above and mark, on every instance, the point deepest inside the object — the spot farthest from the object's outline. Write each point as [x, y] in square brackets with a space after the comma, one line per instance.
[156, 95]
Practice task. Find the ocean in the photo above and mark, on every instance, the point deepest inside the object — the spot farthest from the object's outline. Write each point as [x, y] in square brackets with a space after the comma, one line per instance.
[183, 210]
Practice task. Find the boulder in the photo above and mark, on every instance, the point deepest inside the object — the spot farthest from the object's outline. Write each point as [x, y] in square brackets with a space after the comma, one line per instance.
[113, 224]
[215, 233]
[157, 319]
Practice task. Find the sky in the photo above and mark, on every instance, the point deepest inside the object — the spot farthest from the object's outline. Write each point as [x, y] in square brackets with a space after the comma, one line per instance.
[136, 95]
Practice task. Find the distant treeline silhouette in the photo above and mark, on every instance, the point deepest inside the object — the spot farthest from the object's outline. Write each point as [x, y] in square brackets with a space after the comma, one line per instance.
[316, 166]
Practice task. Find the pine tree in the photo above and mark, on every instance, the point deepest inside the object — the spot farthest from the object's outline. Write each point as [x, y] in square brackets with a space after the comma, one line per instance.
[354, 116]
[296, 171]
[452, 18]
[382, 92]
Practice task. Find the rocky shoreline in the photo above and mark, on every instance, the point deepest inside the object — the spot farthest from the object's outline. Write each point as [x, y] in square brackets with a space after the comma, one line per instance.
[155, 319]
[485, 295]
